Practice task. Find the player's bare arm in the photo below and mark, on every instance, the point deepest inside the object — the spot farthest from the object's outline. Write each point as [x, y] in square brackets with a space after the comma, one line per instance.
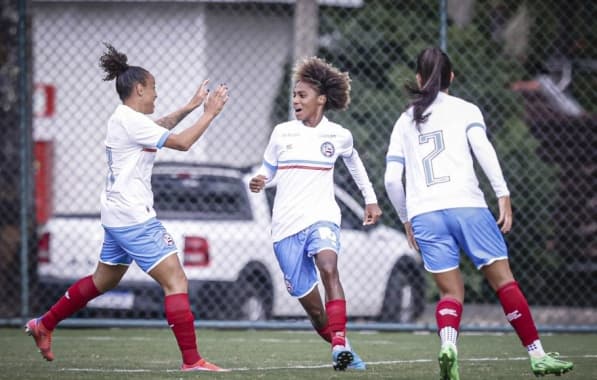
[214, 104]
[170, 121]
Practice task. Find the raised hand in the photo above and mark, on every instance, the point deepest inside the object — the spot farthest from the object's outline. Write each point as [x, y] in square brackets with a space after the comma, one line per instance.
[199, 96]
[216, 100]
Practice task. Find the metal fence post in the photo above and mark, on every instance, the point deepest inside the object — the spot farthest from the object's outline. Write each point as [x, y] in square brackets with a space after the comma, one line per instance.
[25, 153]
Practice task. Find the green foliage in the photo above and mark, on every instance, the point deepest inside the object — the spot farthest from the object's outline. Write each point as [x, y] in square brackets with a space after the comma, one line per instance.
[533, 186]
[378, 45]
[380, 58]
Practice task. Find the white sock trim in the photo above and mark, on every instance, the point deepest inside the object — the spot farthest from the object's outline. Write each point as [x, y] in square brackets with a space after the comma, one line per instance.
[448, 335]
[535, 349]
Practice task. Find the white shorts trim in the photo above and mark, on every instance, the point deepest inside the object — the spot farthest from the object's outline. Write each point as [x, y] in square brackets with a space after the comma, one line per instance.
[442, 270]
[307, 292]
[492, 261]
[160, 260]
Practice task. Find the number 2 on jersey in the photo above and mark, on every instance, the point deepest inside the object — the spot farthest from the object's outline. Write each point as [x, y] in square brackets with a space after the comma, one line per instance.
[437, 139]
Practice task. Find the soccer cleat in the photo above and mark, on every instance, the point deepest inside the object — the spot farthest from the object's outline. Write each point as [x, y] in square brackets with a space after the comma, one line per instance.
[42, 336]
[202, 365]
[448, 362]
[342, 357]
[550, 364]
[357, 363]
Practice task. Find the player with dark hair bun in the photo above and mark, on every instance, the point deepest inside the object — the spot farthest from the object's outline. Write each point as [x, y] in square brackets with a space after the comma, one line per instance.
[300, 159]
[444, 211]
[131, 230]
[115, 66]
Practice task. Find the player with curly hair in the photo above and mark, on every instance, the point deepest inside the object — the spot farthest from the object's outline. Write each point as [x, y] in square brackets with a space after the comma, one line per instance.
[299, 160]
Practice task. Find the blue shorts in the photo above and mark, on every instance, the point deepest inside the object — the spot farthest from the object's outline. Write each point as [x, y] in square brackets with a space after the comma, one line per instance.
[147, 244]
[441, 234]
[295, 255]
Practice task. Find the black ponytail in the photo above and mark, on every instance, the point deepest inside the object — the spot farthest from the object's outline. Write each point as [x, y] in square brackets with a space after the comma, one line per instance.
[435, 69]
[115, 66]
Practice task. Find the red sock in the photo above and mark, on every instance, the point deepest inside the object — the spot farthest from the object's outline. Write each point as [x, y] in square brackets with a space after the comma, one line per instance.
[518, 313]
[75, 298]
[325, 333]
[181, 321]
[448, 313]
[336, 310]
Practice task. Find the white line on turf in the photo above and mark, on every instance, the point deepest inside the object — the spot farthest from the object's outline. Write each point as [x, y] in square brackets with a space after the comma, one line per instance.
[383, 362]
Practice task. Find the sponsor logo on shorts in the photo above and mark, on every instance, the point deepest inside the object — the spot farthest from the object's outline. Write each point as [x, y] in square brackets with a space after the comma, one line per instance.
[168, 239]
[327, 149]
[327, 233]
[288, 286]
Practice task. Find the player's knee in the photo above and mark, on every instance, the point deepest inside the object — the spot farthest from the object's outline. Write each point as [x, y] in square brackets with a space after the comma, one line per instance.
[328, 271]
[176, 283]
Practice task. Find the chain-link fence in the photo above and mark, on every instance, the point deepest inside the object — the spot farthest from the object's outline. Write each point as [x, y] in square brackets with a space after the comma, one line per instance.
[530, 66]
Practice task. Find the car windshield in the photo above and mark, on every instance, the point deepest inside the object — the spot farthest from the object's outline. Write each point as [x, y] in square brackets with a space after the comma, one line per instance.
[206, 197]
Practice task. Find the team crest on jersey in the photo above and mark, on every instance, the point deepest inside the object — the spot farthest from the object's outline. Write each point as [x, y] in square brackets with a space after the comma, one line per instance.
[168, 239]
[327, 149]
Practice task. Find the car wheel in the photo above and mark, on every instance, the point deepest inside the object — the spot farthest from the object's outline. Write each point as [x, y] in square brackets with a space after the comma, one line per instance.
[253, 308]
[255, 294]
[404, 299]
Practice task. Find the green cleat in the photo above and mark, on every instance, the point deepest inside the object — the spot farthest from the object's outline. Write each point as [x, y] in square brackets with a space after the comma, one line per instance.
[448, 363]
[550, 364]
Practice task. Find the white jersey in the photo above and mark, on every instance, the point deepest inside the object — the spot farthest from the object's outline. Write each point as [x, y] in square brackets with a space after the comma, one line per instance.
[302, 160]
[438, 160]
[131, 142]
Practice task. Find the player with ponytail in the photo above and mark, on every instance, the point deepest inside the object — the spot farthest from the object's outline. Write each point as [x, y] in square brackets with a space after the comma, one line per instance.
[444, 211]
[131, 230]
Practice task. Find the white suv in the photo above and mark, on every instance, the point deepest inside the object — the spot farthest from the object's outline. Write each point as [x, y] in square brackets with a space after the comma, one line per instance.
[222, 232]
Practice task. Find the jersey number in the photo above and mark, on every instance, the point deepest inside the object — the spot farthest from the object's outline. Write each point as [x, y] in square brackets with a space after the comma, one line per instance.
[437, 139]
[110, 178]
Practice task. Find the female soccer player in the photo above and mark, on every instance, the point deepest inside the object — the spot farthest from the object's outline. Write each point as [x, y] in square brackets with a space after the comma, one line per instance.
[444, 209]
[300, 158]
[131, 230]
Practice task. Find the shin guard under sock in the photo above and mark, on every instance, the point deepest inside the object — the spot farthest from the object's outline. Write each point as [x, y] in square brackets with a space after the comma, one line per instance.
[518, 313]
[75, 298]
[336, 311]
[181, 321]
